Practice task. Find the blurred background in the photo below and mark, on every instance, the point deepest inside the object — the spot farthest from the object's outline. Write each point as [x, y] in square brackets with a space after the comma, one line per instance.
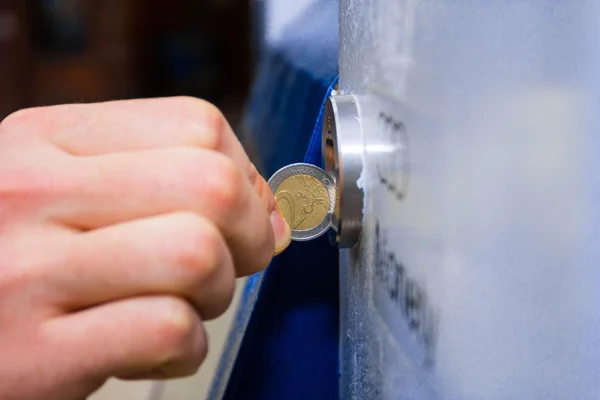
[80, 51]
[65, 51]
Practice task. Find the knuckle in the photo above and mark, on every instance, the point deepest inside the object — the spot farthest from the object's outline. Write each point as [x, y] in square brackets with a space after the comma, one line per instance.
[221, 296]
[206, 119]
[15, 275]
[213, 177]
[214, 122]
[28, 185]
[197, 254]
[196, 352]
[20, 118]
[228, 184]
[226, 295]
[211, 116]
[16, 120]
[26, 180]
[177, 327]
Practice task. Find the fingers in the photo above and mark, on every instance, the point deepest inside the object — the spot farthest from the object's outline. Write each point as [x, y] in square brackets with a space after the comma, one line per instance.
[120, 187]
[143, 337]
[180, 254]
[281, 229]
[146, 212]
[130, 125]
[135, 127]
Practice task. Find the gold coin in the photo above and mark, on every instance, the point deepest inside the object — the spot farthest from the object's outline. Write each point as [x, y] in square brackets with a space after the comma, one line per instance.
[304, 201]
[306, 196]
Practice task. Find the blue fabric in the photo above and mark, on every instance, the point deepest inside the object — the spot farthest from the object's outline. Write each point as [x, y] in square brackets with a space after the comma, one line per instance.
[293, 79]
[290, 345]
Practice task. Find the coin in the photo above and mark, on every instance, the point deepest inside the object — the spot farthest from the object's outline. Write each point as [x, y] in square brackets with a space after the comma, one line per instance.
[306, 196]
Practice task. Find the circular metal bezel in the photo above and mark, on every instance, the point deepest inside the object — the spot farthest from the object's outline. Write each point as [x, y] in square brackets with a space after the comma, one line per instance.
[342, 150]
[329, 183]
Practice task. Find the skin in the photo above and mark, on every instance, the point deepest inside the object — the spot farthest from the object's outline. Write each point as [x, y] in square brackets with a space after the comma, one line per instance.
[123, 226]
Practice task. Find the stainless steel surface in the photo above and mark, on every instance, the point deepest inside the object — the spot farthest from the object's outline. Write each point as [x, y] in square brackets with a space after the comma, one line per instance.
[343, 153]
[476, 276]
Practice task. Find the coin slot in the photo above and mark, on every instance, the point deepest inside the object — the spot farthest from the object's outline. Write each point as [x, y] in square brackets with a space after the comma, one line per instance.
[330, 162]
[342, 156]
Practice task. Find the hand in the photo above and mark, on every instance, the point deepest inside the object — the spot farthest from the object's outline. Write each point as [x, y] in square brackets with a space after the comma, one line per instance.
[122, 227]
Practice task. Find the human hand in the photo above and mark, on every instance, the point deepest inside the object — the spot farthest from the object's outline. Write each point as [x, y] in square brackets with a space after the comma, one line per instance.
[122, 227]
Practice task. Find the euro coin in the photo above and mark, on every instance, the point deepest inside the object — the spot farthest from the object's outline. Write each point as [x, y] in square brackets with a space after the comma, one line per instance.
[306, 196]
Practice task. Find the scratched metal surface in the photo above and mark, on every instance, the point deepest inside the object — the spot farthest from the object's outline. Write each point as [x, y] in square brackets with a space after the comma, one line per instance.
[477, 277]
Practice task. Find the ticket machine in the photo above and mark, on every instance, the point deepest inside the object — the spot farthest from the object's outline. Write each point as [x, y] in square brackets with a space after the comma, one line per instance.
[469, 131]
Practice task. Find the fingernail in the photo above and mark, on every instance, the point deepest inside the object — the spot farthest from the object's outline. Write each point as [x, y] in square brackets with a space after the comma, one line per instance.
[283, 234]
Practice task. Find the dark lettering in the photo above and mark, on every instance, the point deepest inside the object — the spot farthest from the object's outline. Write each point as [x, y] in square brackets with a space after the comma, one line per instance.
[394, 133]
[406, 294]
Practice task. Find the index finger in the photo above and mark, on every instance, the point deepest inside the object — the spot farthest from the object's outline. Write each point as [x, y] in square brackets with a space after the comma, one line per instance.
[130, 125]
[134, 125]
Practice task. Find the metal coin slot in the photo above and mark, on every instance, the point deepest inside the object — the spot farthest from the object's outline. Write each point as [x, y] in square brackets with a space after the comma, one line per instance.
[342, 149]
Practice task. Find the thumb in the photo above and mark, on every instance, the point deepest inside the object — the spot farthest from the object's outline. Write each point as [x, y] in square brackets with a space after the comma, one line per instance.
[281, 229]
